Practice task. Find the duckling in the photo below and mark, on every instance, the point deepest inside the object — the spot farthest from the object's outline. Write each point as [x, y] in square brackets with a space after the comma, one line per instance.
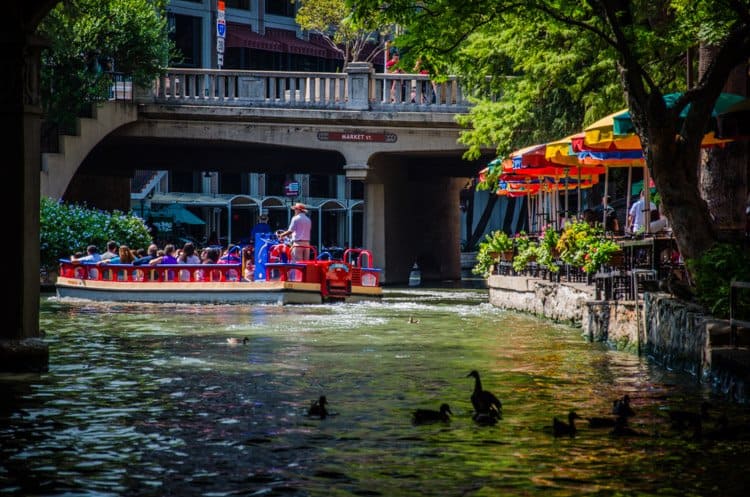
[484, 401]
[237, 341]
[413, 320]
[560, 428]
[621, 407]
[422, 416]
[318, 408]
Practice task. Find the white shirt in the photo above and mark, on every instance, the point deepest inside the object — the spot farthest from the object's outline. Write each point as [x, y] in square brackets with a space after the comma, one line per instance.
[637, 214]
[300, 227]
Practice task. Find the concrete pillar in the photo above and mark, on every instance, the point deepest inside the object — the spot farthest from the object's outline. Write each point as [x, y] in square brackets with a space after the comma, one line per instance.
[358, 82]
[21, 348]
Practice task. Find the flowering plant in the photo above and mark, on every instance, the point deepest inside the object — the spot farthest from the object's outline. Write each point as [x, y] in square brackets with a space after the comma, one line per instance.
[585, 246]
[547, 253]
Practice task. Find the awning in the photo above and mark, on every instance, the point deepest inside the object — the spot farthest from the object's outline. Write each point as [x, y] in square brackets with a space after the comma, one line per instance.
[294, 45]
[241, 36]
[178, 213]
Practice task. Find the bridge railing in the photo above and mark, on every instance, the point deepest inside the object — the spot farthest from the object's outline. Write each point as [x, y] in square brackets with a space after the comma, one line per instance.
[315, 90]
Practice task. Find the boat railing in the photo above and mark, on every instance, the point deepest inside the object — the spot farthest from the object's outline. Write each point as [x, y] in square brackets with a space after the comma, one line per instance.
[176, 273]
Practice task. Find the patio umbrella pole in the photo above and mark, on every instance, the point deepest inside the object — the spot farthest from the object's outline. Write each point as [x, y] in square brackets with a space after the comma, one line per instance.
[647, 199]
[579, 190]
[629, 194]
[605, 203]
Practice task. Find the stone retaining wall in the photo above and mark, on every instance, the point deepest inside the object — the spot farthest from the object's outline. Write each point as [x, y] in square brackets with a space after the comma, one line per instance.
[675, 334]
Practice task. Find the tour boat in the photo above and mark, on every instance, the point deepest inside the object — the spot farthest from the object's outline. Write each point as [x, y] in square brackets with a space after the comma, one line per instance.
[274, 279]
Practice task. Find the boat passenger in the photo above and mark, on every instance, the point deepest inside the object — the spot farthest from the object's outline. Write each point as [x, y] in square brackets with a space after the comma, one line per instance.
[111, 251]
[210, 255]
[124, 256]
[232, 256]
[92, 256]
[152, 253]
[299, 229]
[167, 258]
[188, 255]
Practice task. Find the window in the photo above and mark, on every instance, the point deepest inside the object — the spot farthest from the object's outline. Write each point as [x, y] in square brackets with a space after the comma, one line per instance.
[280, 8]
[275, 183]
[322, 185]
[237, 4]
[185, 31]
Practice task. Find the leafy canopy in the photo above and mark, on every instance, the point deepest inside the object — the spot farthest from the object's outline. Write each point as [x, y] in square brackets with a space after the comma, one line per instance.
[91, 39]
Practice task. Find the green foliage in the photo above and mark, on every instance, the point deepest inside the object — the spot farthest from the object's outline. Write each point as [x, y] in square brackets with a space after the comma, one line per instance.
[65, 229]
[490, 248]
[585, 246]
[527, 252]
[713, 273]
[334, 21]
[547, 253]
[88, 39]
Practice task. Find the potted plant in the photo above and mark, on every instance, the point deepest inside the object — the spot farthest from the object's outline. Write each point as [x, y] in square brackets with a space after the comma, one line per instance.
[528, 251]
[491, 250]
[585, 246]
[547, 253]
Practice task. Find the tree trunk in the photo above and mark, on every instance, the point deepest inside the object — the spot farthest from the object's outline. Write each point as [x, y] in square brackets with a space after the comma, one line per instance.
[723, 170]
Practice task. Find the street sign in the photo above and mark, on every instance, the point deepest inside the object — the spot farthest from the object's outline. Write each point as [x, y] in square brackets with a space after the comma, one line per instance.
[219, 45]
[221, 28]
[291, 189]
[220, 59]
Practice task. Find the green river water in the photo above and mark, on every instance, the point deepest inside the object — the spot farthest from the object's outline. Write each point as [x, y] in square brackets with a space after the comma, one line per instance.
[152, 400]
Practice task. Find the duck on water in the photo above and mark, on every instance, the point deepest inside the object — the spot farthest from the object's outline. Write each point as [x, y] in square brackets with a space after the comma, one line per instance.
[486, 405]
[423, 416]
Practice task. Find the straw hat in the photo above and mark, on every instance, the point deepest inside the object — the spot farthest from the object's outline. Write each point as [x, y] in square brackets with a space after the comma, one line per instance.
[299, 207]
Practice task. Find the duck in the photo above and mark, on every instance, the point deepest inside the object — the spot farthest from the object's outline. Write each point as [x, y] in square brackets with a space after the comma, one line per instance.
[484, 401]
[318, 408]
[560, 428]
[422, 416]
[621, 407]
[237, 341]
[413, 320]
[485, 419]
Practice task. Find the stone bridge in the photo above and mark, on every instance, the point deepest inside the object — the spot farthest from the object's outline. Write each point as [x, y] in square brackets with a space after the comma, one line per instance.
[395, 132]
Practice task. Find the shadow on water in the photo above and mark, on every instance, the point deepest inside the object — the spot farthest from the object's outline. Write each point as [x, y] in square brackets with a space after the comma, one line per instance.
[147, 400]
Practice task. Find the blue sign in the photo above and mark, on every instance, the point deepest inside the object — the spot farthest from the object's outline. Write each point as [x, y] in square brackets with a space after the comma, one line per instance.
[221, 28]
[291, 189]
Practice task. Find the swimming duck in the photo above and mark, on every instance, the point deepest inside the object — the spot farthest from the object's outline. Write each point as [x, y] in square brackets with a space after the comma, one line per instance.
[484, 401]
[318, 408]
[621, 407]
[421, 416]
[485, 419]
[560, 428]
[237, 341]
[413, 320]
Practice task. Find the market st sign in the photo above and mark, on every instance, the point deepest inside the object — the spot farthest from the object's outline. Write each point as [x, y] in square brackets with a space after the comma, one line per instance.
[336, 136]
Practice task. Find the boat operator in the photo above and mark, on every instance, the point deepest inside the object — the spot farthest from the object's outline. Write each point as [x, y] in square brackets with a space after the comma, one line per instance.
[299, 229]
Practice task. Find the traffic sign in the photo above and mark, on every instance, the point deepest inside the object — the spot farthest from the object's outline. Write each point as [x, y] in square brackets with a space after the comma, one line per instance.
[219, 59]
[221, 28]
[219, 45]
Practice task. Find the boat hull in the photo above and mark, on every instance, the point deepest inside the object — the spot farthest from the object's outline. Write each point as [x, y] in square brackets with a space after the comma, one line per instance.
[272, 292]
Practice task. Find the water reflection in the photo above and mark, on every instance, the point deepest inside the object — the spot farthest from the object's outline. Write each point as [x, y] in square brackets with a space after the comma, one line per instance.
[153, 400]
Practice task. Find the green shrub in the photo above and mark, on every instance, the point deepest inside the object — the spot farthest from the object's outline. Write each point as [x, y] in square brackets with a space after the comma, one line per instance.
[713, 273]
[68, 228]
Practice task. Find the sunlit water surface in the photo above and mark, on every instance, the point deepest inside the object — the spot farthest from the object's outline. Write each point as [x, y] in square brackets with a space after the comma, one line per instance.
[151, 400]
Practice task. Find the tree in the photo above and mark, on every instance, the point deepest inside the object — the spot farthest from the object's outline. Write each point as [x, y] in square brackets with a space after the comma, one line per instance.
[645, 42]
[351, 37]
[91, 39]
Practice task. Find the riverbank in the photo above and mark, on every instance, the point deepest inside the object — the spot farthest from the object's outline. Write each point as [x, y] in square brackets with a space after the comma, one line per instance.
[676, 334]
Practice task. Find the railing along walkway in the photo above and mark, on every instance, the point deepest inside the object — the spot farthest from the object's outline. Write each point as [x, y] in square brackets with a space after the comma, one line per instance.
[314, 90]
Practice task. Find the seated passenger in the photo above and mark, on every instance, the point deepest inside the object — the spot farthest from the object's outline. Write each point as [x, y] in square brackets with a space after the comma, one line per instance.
[211, 256]
[188, 255]
[92, 256]
[151, 254]
[124, 256]
[167, 258]
[232, 256]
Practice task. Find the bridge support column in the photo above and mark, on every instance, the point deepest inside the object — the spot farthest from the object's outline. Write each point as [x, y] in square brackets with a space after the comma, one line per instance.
[413, 219]
[21, 348]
